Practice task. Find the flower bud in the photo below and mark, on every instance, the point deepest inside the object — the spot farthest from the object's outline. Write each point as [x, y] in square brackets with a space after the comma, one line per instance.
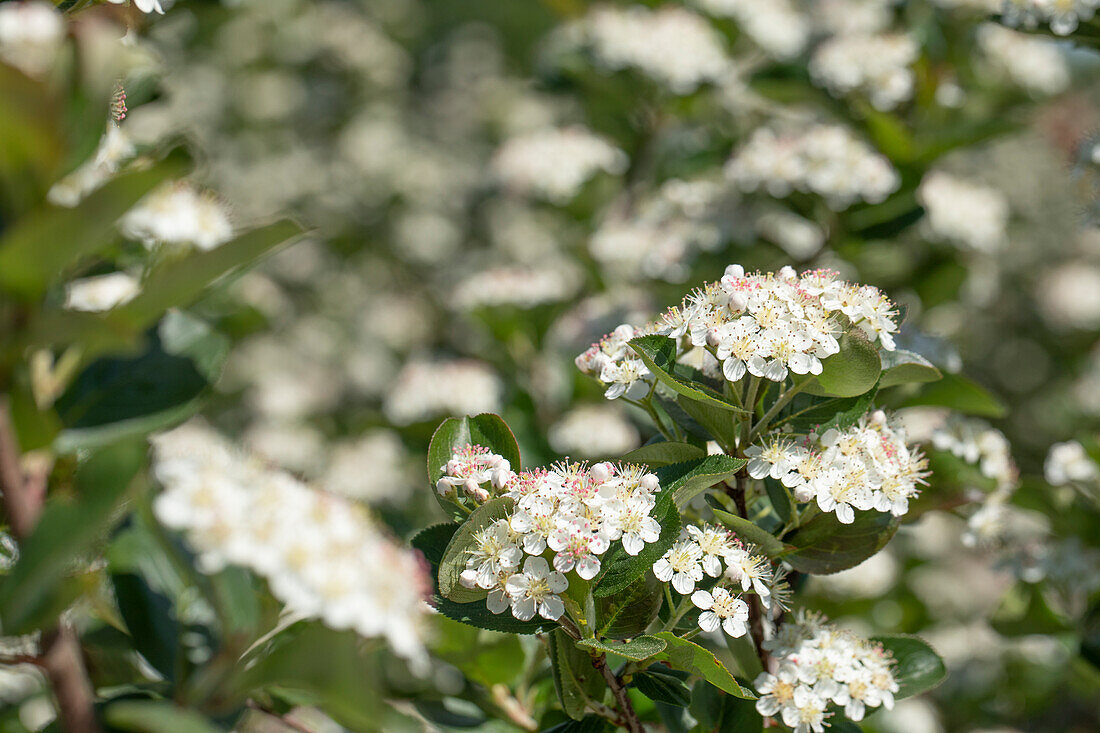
[878, 417]
[625, 332]
[713, 337]
[443, 487]
[803, 493]
[649, 482]
[734, 271]
[787, 273]
[600, 473]
[738, 302]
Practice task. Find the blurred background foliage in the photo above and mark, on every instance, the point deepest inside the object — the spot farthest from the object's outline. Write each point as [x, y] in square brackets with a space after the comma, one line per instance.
[433, 279]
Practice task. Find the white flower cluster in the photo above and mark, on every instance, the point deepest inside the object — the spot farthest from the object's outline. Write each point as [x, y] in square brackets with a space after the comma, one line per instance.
[825, 159]
[717, 553]
[1069, 463]
[31, 34]
[774, 25]
[177, 213]
[614, 363]
[765, 324]
[323, 556]
[875, 65]
[101, 292]
[554, 163]
[977, 443]
[1036, 64]
[1063, 15]
[145, 6]
[523, 287]
[867, 466]
[672, 45]
[963, 212]
[820, 664]
[593, 431]
[425, 389]
[575, 510]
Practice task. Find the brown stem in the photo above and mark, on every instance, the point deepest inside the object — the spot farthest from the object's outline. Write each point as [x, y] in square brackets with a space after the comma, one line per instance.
[62, 659]
[286, 720]
[756, 611]
[618, 691]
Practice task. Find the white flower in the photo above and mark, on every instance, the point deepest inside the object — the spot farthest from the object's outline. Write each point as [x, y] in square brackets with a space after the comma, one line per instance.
[554, 163]
[523, 287]
[714, 543]
[176, 213]
[806, 712]
[31, 34]
[578, 544]
[1038, 65]
[825, 159]
[875, 65]
[472, 466]
[323, 555]
[964, 213]
[1069, 463]
[774, 25]
[720, 608]
[592, 431]
[494, 553]
[682, 565]
[426, 389]
[535, 591]
[115, 147]
[630, 521]
[145, 6]
[101, 292]
[671, 44]
[776, 690]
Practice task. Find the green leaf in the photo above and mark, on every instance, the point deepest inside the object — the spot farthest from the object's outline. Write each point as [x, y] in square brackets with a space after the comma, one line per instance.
[432, 542]
[824, 545]
[150, 619]
[485, 657]
[960, 394]
[659, 354]
[836, 412]
[919, 668]
[36, 248]
[1024, 610]
[720, 425]
[180, 282]
[588, 724]
[156, 716]
[660, 685]
[906, 367]
[770, 545]
[687, 656]
[332, 669]
[120, 397]
[69, 527]
[637, 649]
[576, 680]
[721, 713]
[628, 613]
[458, 550]
[689, 479]
[851, 372]
[664, 453]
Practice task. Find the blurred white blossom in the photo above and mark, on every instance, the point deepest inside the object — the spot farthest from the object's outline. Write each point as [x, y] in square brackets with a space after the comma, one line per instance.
[963, 212]
[101, 292]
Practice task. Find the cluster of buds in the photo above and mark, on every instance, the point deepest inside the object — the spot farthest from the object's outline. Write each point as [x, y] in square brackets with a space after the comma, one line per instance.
[470, 468]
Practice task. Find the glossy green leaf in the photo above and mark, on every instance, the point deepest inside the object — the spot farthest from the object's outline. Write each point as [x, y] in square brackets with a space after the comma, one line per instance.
[458, 550]
[824, 545]
[333, 670]
[906, 367]
[659, 354]
[454, 433]
[660, 684]
[69, 527]
[833, 412]
[36, 248]
[687, 480]
[432, 542]
[628, 613]
[719, 424]
[919, 668]
[664, 453]
[770, 545]
[687, 656]
[121, 397]
[960, 394]
[150, 619]
[637, 649]
[851, 372]
[576, 680]
[156, 716]
[721, 713]
[587, 724]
